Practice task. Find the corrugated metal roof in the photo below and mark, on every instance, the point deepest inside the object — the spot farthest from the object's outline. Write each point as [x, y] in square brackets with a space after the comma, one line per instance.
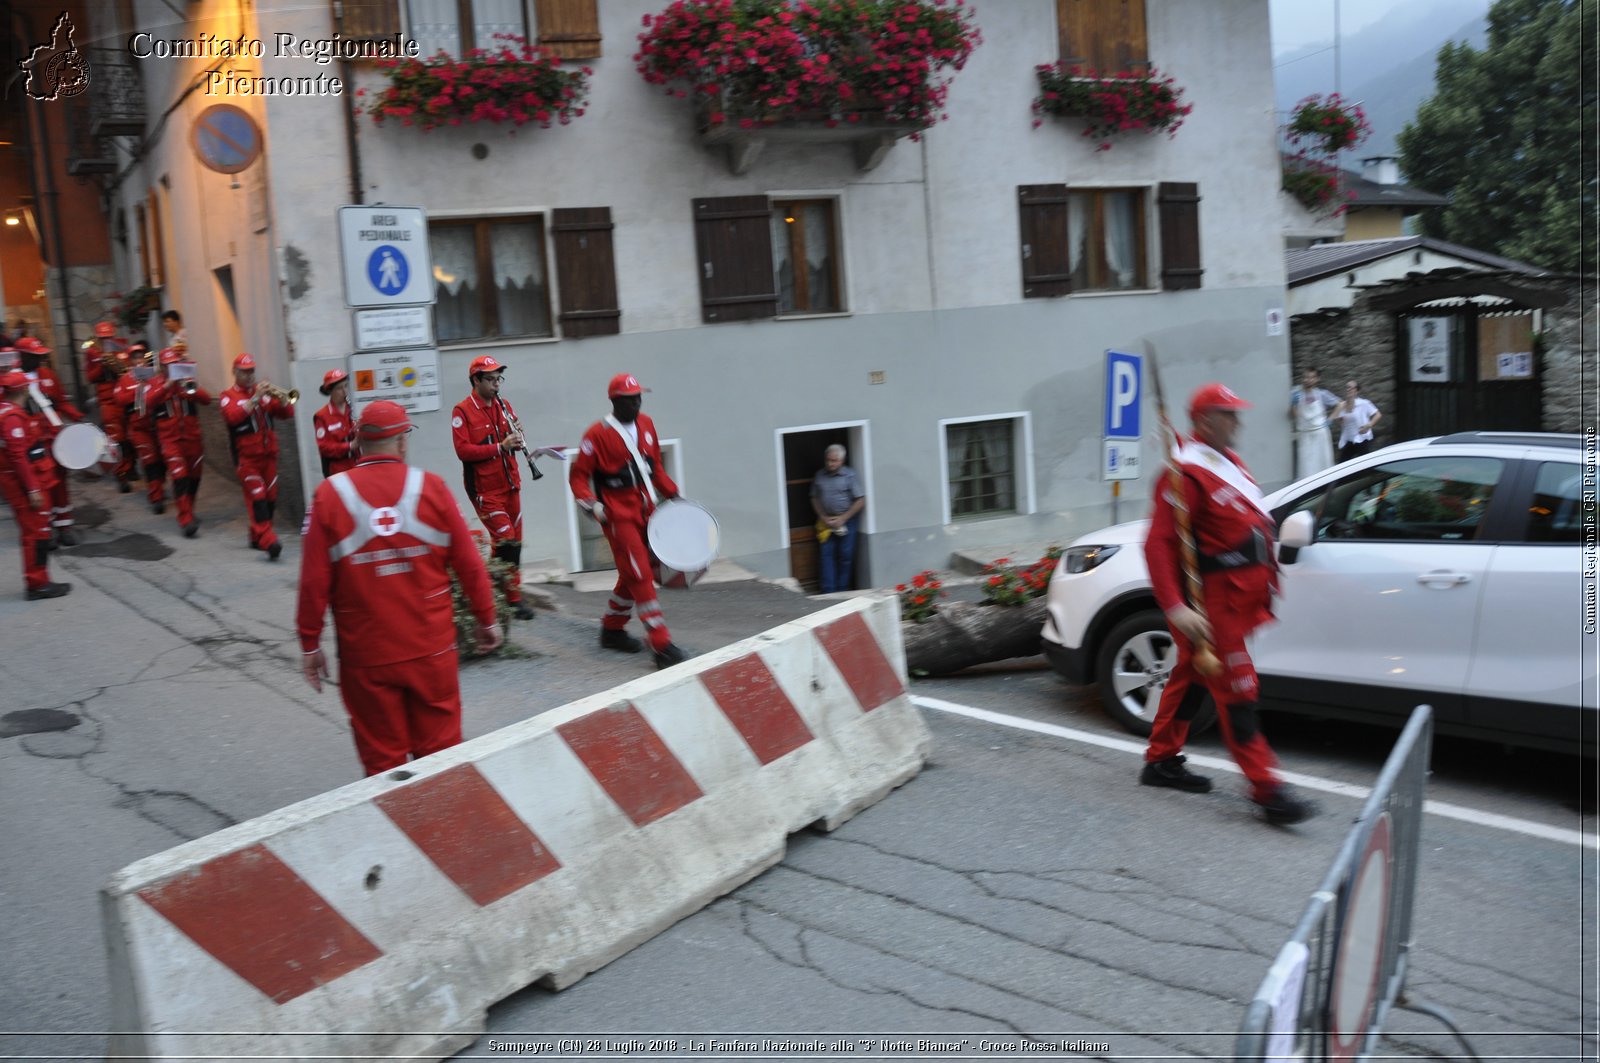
[1320, 260]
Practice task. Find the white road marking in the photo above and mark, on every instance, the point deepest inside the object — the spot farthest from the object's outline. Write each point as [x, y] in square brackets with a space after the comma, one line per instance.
[1308, 782]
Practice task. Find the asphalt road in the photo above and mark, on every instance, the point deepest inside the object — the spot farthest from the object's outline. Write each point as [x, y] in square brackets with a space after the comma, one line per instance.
[1022, 884]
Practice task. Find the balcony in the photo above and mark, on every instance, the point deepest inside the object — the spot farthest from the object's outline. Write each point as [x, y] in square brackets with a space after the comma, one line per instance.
[86, 153]
[870, 136]
[116, 93]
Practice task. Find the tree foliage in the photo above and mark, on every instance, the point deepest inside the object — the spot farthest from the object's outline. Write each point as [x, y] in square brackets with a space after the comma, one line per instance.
[1508, 136]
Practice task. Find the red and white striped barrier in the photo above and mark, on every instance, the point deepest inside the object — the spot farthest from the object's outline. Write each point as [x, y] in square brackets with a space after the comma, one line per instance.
[385, 917]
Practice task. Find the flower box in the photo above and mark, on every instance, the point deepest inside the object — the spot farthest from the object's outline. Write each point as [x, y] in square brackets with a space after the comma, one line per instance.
[1129, 101]
[516, 83]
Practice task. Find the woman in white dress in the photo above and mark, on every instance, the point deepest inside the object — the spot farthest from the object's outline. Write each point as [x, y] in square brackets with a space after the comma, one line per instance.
[1309, 405]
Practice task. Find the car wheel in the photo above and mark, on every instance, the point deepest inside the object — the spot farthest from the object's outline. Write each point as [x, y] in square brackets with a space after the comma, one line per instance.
[1135, 660]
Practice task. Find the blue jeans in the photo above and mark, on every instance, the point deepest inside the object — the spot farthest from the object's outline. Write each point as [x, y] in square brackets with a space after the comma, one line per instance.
[836, 566]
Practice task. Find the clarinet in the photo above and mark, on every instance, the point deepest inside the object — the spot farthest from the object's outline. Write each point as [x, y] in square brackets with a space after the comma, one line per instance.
[516, 426]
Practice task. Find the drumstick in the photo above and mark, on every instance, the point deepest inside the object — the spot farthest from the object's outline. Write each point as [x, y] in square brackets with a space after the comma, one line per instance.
[46, 407]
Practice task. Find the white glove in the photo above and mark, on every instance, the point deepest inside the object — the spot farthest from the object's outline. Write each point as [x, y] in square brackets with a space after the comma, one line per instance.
[598, 512]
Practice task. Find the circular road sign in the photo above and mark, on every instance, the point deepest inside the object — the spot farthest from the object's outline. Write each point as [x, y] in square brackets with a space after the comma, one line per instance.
[388, 269]
[1359, 963]
[225, 138]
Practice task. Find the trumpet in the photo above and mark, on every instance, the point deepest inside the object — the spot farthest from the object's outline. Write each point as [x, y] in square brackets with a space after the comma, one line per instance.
[516, 426]
[114, 362]
[289, 395]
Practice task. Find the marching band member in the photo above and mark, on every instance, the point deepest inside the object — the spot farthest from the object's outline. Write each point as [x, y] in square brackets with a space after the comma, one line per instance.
[249, 408]
[21, 489]
[132, 399]
[487, 447]
[47, 416]
[336, 424]
[106, 362]
[616, 478]
[175, 414]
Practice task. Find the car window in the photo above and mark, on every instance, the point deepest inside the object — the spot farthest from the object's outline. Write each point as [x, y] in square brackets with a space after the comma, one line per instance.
[1432, 499]
[1553, 515]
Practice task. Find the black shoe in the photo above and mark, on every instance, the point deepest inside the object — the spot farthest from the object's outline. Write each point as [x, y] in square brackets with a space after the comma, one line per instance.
[49, 590]
[158, 508]
[123, 487]
[191, 529]
[1171, 772]
[522, 610]
[619, 640]
[53, 543]
[671, 655]
[1283, 808]
[274, 550]
[66, 537]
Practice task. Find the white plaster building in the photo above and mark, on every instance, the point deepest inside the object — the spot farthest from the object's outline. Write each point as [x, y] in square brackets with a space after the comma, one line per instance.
[972, 410]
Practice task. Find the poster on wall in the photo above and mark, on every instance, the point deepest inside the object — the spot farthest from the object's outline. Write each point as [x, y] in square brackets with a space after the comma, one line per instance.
[1430, 350]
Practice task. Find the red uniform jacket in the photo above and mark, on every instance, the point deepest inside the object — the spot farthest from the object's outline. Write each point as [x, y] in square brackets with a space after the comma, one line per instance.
[50, 385]
[250, 433]
[175, 415]
[1223, 519]
[604, 471]
[336, 438]
[477, 428]
[15, 439]
[378, 541]
[103, 379]
[131, 399]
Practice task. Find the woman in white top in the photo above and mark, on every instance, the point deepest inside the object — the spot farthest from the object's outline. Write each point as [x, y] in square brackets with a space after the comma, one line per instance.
[1355, 415]
[1308, 408]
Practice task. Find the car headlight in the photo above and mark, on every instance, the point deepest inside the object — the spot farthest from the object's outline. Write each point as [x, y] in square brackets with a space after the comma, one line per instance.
[1087, 558]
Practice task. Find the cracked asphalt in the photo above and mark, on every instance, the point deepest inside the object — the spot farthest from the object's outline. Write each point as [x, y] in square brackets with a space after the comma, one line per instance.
[1021, 885]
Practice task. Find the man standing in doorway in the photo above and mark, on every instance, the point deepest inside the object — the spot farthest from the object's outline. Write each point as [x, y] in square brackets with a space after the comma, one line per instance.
[480, 426]
[616, 479]
[837, 499]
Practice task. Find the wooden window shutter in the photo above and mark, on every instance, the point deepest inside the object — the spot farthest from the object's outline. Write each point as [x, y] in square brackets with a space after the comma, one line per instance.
[570, 28]
[586, 272]
[366, 20]
[1180, 235]
[734, 239]
[1046, 251]
[1104, 35]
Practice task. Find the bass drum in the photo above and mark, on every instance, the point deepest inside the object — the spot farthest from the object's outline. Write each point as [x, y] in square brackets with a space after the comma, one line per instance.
[684, 539]
[79, 446]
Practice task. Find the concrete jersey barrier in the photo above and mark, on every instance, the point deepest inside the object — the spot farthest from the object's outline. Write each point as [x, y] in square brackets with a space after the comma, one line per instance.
[385, 917]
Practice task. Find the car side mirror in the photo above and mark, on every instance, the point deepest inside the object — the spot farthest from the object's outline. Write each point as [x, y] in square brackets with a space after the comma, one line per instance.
[1299, 530]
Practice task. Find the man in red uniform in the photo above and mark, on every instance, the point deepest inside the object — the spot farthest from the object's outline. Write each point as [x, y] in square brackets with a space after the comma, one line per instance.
[249, 412]
[616, 479]
[21, 490]
[48, 403]
[378, 541]
[106, 361]
[481, 429]
[336, 424]
[1234, 545]
[175, 414]
[131, 399]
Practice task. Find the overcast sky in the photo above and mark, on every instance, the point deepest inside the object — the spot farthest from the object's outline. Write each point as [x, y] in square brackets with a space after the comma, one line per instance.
[1296, 23]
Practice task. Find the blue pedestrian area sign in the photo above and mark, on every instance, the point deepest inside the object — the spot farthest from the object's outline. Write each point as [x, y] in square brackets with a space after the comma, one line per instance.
[386, 257]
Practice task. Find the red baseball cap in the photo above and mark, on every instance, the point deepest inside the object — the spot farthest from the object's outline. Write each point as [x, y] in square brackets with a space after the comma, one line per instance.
[1215, 397]
[624, 384]
[32, 346]
[383, 420]
[12, 379]
[244, 361]
[170, 355]
[484, 364]
[330, 378]
[105, 328]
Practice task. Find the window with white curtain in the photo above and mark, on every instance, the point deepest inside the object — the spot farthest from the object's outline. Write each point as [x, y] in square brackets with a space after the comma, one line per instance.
[1106, 239]
[805, 256]
[458, 26]
[981, 468]
[490, 278]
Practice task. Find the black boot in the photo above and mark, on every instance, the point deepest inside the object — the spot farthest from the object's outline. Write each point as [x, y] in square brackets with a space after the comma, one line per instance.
[670, 655]
[49, 590]
[67, 537]
[619, 640]
[522, 610]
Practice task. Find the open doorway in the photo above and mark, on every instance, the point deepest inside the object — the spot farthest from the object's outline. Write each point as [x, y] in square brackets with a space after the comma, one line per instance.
[801, 452]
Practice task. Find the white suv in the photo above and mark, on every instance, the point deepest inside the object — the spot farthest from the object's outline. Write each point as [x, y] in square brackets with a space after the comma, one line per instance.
[1441, 570]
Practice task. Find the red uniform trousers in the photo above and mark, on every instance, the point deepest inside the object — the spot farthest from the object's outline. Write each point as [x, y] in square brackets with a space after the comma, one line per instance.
[412, 707]
[113, 418]
[501, 512]
[258, 475]
[33, 530]
[1233, 600]
[147, 452]
[636, 581]
[184, 456]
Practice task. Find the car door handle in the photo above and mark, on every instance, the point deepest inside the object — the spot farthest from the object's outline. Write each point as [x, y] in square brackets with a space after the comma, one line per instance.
[1455, 579]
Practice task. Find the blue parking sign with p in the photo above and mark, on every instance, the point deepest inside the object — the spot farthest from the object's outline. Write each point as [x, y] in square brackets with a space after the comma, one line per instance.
[1123, 384]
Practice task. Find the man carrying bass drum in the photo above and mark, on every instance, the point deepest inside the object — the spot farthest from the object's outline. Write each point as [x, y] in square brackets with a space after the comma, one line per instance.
[617, 479]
